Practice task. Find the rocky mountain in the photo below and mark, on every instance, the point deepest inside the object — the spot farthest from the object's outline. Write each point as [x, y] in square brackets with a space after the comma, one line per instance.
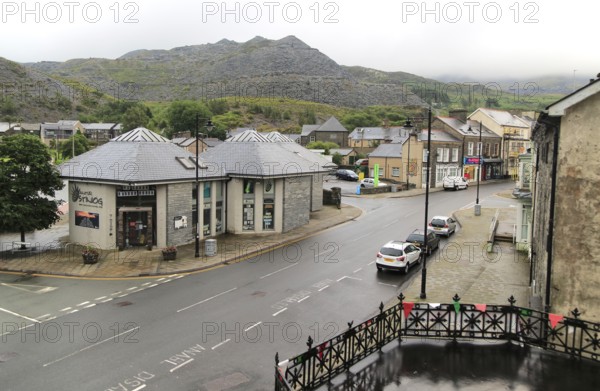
[257, 68]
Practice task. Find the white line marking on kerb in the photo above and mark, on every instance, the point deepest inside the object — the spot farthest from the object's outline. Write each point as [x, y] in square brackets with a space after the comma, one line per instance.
[180, 365]
[89, 347]
[277, 271]
[220, 344]
[19, 315]
[205, 300]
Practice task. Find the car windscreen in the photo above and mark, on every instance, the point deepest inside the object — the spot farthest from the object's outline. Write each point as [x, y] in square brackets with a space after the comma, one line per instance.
[415, 238]
[391, 252]
[438, 223]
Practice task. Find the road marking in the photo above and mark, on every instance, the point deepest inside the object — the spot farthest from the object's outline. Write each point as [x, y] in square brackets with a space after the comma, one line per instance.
[106, 300]
[469, 205]
[72, 312]
[279, 312]
[302, 299]
[100, 298]
[90, 305]
[253, 326]
[66, 308]
[370, 263]
[180, 365]
[205, 300]
[89, 347]
[277, 271]
[146, 283]
[153, 285]
[30, 288]
[383, 283]
[219, 344]
[43, 316]
[116, 293]
[325, 287]
[160, 279]
[132, 288]
[84, 303]
[19, 329]
[357, 270]
[19, 315]
[351, 278]
[167, 280]
[139, 388]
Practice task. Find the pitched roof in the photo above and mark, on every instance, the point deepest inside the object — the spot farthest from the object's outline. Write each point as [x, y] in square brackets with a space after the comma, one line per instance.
[439, 135]
[470, 128]
[559, 107]
[308, 129]
[502, 117]
[387, 150]
[249, 136]
[332, 125]
[377, 133]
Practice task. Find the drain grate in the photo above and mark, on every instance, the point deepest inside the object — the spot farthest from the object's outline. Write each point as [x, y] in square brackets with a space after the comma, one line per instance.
[123, 303]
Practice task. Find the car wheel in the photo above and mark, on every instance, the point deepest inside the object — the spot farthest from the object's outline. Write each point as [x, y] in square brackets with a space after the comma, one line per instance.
[379, 269]
[406, 267]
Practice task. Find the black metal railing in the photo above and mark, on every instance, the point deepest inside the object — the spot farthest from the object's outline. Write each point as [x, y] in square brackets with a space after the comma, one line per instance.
[455, 321]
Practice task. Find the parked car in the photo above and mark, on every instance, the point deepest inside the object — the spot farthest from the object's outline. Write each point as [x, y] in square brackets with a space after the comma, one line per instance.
[361, 162]
[418, 239]
[370, 182]
[397, 255]
[443, 225]
[455, 182]
[347, 175]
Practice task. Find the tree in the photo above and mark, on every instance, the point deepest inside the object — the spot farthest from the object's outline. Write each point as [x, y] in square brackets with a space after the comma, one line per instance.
[26, 179]
[77, 142]
[181, 116]
[135, 117]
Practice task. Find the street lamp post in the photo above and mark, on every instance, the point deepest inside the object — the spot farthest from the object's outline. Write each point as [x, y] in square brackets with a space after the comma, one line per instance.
[425, 244]
[408, 125]
[209, 127]
[479, 147]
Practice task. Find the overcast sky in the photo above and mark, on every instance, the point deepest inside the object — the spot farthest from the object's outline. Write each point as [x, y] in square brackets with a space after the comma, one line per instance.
[485, 39]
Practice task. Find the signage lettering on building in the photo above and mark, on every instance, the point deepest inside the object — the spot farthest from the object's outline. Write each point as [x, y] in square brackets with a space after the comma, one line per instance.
[85, 197]
[134, 193]
[472, 160]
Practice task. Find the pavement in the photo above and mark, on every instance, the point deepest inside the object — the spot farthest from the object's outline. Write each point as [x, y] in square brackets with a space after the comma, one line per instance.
[462, 266]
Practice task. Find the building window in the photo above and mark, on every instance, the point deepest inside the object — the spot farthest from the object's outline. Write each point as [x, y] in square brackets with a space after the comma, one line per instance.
[395, 171]
[312, 138]
[446, 157]
[470, 148]
[486, 150]
[454, 154]
[248, 205]
[496, 150]
[440, 154]
[424, 156]
[269, 205]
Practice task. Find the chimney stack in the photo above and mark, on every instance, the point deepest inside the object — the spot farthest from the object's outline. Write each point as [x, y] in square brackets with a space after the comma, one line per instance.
[461, 114]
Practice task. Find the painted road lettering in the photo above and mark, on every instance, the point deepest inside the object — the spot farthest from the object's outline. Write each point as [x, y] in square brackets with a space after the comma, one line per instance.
[178, 360]
[133, 383]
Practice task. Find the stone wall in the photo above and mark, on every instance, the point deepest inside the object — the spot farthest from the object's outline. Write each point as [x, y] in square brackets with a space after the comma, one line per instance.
[296, 203]
[179, 204]
[317, 192]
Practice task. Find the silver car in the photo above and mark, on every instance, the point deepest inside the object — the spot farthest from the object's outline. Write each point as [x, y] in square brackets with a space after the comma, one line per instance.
[397, 255]
[442, 225]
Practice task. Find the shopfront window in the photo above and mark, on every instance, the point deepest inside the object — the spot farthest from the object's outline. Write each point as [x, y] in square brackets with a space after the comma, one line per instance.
[219, 206]
[269, 205]
[248, 205]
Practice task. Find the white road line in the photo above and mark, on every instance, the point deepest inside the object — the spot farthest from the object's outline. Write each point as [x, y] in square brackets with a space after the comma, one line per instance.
[118, 297]
[116, 293]
[50, 318]
[100, 298]
[106, 300]
[19, 329]
[90, 305]
[350, 278]
[139, 388]
[277, 271]
[167, 280]
[43, 316]
[219, 344]
[325, 287]
[279, 312]
[153, 285]
[66, 308]
[253, 326]
[302, 299]
[89, 347]
[19, 315]
[382, 283]
[469, 205]
[132, 288]
[146, 283]
[180, 365]
[84, 303]
[357, 270]
[205, 300]
[370, 263]
[72, 312]
[160, 279]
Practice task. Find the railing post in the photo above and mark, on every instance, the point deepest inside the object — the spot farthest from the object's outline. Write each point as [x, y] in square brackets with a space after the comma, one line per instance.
[400, 307]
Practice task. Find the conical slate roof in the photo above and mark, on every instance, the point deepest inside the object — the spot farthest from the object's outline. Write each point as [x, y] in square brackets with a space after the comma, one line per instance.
[141, 135]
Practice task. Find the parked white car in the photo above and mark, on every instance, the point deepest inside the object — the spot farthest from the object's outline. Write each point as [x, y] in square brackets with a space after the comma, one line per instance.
[370, 182]
[397, 255]
[455, 182]
[442, 225]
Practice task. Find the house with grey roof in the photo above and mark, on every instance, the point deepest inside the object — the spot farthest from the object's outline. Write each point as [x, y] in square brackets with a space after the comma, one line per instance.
[100, 133]
[140, 189]
[365, 139]
[515, 132]
[468, 132]
[60, 131]
[331, 130]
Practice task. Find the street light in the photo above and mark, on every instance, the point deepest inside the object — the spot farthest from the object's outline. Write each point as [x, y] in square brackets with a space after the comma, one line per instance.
[479, 147]
[408, 125]
[424, 254]
[209, 126]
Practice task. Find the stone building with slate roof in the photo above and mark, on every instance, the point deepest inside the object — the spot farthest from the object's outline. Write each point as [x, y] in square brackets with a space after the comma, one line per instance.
[275, 183]
[332, 130]
[139, 189]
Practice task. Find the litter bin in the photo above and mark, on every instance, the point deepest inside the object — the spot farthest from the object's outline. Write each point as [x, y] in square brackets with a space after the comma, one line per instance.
[358, 189]
[394, 188]
[210, 247]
